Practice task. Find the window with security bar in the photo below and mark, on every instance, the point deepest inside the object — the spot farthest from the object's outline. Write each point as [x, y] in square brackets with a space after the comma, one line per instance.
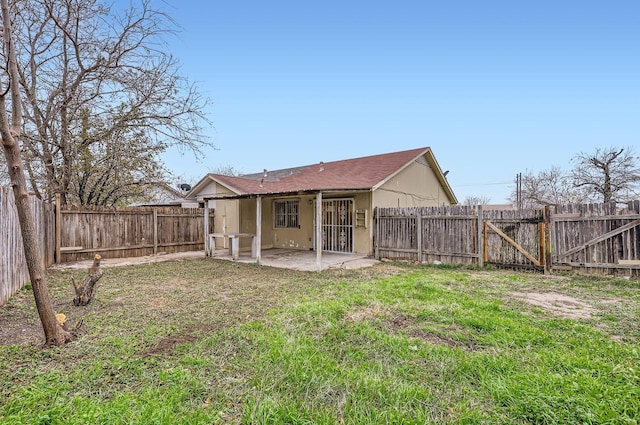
[287, 213]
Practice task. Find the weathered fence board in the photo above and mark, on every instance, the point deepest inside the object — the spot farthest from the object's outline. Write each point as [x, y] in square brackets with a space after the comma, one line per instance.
[81, 232]
[129, 231]
[599, 238]
[13, 266]
[446, 234]
[523, 227]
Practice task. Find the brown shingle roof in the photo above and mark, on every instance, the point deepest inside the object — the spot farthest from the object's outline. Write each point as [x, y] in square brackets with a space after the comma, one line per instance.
[349, 174]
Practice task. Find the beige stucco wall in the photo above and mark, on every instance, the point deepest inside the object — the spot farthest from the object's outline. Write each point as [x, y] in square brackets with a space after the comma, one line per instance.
[248, 223]
[226, 213]
[213, 189]
[415, 186]
[240, 216]
[226, 218]
[303, 238]
[363, 233]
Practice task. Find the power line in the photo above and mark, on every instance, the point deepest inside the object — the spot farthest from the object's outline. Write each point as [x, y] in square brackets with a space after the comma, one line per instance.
[482, 184]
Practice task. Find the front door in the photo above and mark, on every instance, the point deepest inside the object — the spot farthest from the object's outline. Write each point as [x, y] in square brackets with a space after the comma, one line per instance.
[337, 225]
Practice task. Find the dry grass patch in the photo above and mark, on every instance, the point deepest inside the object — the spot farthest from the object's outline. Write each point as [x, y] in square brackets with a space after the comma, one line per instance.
[558, 304]
[215, 342]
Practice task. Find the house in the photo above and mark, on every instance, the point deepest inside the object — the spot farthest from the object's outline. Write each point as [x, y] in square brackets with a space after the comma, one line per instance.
[161, 194]
[282, 207]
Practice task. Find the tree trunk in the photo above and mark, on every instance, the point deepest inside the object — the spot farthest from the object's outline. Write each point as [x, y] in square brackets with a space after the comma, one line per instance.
[53, 331]
[10, 132]
[85, 292]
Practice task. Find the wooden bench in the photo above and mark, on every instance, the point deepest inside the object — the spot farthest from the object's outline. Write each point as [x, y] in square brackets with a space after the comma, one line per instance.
[234, 243]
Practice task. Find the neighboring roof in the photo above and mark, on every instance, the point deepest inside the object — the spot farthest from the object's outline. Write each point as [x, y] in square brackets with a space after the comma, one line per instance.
[161, 193]
[365, 173]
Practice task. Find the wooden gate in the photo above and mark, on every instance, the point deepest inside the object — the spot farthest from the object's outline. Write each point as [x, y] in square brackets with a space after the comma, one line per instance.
[463, 234]
[515, 238]
[592, 238]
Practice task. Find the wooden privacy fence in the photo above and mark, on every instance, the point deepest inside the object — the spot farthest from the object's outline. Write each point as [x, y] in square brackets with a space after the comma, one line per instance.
[78, 233]
[128, 231]
[600, 238]
[593, 238]
[13, 266]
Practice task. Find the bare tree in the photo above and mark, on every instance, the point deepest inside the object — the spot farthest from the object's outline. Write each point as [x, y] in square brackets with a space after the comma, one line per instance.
[548, 187]
[116, 171]
[476, 200]
[226, 170]
[611, 173]
[95, 77]
[10, 131]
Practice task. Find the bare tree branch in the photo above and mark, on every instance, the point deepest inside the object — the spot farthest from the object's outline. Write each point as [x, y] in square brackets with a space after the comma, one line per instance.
[10, 130]
[82, 59]
[476, 200]
[548, 187]
[612, 173]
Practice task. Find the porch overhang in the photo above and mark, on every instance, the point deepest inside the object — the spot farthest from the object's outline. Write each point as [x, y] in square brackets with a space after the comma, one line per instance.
[318, 193]
[311, 192]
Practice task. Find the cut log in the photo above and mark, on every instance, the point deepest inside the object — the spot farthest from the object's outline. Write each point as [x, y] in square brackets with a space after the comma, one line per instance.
[85, 292]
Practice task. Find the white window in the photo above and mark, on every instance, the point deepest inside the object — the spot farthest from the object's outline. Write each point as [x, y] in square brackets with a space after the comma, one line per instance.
[287, 213]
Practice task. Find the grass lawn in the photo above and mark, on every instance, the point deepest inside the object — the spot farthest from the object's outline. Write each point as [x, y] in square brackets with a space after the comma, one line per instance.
[213, 342]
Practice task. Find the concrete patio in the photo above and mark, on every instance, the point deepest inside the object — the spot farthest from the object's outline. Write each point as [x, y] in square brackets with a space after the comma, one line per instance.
[300, 260]
[281, 258]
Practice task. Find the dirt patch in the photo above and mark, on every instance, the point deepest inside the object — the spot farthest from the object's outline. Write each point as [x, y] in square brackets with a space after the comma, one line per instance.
[366, 313]
[169, 343]
[20, 322]
[401, 323]
[410, 326]
[21, 333]
[557, 304]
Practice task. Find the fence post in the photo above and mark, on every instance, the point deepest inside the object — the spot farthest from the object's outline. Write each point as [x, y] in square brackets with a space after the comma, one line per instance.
[485, 250]
[548, 266]
[155, 230]
[541, 236]
[480, 237]
[58, 230]
[376, 238]
[419, 235]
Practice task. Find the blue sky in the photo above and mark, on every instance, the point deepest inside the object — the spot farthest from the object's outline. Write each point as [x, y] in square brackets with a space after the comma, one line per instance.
[493, 87]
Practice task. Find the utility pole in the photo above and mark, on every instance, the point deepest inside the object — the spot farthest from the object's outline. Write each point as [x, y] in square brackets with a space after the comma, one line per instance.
[519, 191]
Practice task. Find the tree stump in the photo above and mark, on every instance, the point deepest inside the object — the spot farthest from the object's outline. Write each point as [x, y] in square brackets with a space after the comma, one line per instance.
[85, 292]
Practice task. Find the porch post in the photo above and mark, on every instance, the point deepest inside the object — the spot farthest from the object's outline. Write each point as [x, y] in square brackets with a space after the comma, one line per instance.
[319, 231]
[258, 238]
[206, 229]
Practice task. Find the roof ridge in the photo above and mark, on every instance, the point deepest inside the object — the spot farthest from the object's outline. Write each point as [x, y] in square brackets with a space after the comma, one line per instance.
[301, 167]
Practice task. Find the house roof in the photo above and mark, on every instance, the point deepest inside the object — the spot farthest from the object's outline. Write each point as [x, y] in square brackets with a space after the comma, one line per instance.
[160, 194]
[365, 173]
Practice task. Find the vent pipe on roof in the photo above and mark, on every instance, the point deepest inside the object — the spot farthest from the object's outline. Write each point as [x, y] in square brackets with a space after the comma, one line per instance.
[321, 166]
[264, 173]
